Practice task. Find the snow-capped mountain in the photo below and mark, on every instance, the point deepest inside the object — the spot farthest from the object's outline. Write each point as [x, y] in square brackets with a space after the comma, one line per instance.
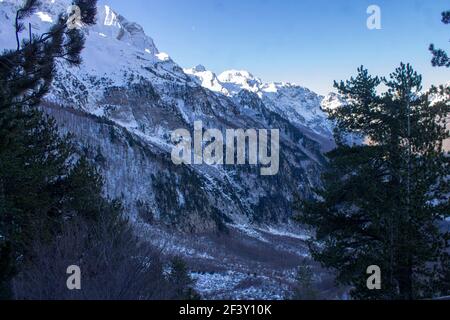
[332, 101]
[122, 104]
[235, 81]
[297, 104]
[207, 79]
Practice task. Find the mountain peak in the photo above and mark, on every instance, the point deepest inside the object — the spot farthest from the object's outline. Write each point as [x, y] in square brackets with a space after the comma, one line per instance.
[112, 24]
[109, 23]
[206, 79]
[332, 101]
[237, 76]
[200, 68]
[237, 80]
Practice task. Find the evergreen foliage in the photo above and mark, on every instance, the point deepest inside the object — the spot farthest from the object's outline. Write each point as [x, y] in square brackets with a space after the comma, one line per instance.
[440, 57]
[52, 210]
[41, 181]
[383, 202]
[306, 287]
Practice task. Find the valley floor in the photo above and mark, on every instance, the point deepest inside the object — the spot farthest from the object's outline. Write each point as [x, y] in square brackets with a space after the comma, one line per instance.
[246, 263]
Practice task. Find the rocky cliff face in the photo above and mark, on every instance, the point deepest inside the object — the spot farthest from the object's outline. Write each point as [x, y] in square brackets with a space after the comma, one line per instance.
[127, 98]
[122, 105]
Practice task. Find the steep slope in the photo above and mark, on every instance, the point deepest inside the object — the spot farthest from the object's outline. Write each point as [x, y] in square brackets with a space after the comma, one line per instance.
[127, 98]
[127, 81]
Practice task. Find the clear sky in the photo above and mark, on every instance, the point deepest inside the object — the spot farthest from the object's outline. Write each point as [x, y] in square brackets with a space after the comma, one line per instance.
[309, 42]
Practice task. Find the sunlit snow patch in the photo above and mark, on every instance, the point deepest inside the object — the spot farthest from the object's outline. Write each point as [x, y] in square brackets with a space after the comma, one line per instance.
[163, 56]
[45, 17]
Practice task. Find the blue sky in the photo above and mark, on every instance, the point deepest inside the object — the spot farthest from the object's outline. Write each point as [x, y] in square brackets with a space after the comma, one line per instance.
[309, 42]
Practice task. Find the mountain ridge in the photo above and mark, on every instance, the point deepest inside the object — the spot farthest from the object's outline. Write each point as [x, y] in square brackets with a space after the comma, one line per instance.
[121, 106]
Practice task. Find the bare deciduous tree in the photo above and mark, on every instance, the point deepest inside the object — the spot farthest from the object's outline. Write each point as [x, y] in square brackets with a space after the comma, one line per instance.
[114, 265]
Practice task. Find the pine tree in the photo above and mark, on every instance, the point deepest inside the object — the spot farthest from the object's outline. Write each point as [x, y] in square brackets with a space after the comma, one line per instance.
[27, 71]
[82, 188]
[34, 160]
[440, 57]
[51, 203]
[383, 201]
[305, 288]
[180, 281]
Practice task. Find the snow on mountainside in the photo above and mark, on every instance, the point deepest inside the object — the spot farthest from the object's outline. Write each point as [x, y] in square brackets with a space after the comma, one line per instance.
[122, 104]
[331, 102]
[207, 79]
[115, 48]
[298, 104]
[235, 81]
